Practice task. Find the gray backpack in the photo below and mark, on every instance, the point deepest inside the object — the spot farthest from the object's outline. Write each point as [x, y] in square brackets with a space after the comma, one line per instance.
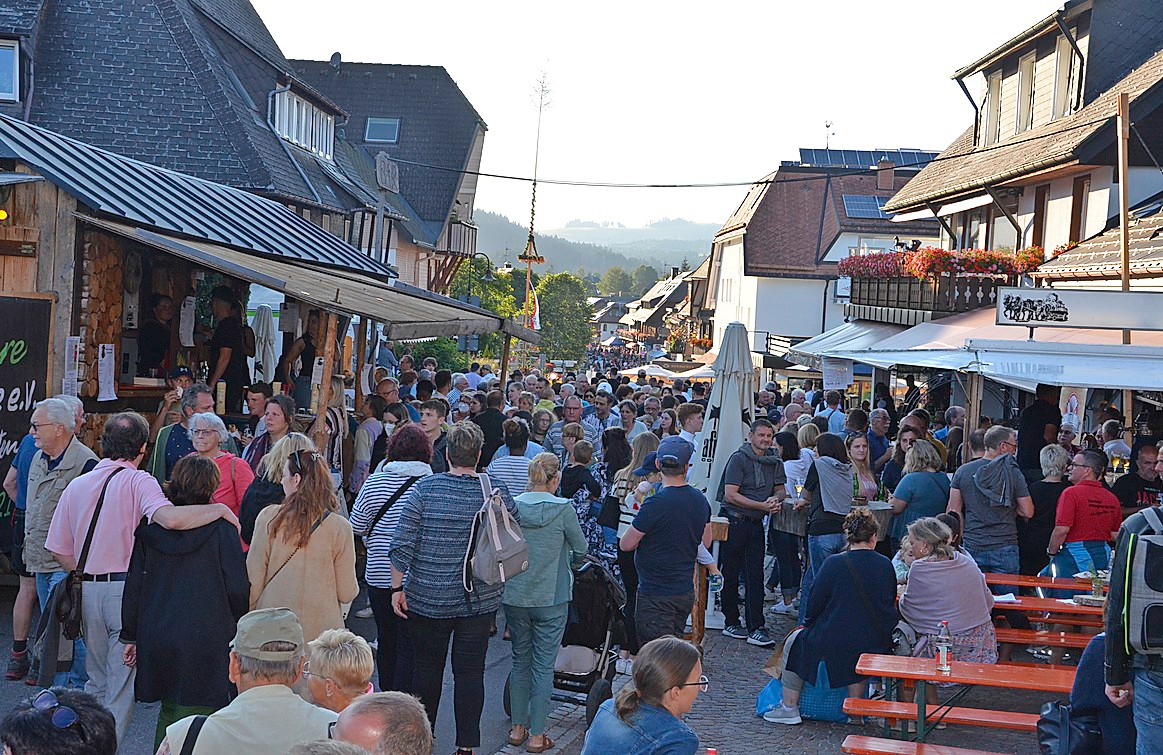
[1144, 589]
[497, 550]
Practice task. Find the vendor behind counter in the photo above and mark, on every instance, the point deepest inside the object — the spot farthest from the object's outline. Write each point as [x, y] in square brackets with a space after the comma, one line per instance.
[227, 348]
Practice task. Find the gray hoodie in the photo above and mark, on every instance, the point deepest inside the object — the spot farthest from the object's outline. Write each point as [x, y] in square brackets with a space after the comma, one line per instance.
[556, 542]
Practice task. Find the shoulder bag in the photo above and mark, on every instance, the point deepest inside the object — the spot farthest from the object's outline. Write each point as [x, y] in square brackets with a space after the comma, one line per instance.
[390, 503]
[904, 637]
[1060, 732]
[314, 527]
[68, 607]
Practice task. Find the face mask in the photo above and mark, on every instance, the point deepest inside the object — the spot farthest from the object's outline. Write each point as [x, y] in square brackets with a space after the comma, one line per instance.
[389, 428]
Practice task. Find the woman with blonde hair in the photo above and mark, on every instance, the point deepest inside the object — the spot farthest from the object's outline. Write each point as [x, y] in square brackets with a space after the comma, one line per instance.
[537, 601]
[338, 669]
[922, 492]
[807, 436]
[302, 557]
[337, 429]
[267, 487]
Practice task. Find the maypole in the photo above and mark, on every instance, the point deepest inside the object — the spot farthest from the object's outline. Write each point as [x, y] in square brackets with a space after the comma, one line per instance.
[531, 256]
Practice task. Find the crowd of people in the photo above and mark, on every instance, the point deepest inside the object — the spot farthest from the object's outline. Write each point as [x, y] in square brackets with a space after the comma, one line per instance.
[218, 577]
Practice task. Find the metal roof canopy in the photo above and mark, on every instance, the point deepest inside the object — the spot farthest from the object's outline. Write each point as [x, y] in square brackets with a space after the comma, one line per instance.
[409, 313]
[859, 334]
[173, 202]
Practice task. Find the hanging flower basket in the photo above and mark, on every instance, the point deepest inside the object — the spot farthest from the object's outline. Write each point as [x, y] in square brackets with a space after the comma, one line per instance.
[932, 262]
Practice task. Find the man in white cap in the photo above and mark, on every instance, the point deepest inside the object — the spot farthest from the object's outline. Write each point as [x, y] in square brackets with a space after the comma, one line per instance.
[266, 660]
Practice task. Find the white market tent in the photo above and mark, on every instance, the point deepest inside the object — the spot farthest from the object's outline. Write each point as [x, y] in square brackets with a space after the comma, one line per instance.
[698, 373]
[651, 370]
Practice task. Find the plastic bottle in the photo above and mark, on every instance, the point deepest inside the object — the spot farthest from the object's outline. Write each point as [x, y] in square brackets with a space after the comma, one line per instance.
[944, 648]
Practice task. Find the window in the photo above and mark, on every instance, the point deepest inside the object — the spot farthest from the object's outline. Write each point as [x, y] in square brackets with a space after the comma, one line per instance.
[1041, 201]
[301, 123]
[1065, 77]
[382, 130]
[992, 110]
[1025, 93]
[864, 206]
[1003, 237]
[1078, 209]
[9, 70]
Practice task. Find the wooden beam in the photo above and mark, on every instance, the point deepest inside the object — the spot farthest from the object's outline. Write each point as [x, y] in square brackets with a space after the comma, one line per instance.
[972, 413]
[319, 435]
[504, 369]
[1124, 122]
[410, 331]
[360, 361]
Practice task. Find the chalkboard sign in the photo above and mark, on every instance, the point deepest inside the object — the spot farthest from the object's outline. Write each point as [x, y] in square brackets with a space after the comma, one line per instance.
[25, 358]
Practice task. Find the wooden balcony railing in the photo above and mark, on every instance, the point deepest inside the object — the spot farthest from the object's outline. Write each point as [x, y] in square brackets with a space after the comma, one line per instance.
[946, 294]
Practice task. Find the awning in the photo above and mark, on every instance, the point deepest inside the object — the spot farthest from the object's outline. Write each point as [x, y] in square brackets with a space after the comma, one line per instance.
[8, 179]
[905, 217]
[856, 335]
[964, 204]
[409, 312]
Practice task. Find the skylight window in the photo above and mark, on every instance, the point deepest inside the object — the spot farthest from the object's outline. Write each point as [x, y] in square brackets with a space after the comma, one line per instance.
[382, 130]
[864, 206]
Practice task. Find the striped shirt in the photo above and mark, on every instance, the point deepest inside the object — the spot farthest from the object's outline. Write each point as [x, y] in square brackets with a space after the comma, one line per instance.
[374, 494]
[511, 470]
[431, 540]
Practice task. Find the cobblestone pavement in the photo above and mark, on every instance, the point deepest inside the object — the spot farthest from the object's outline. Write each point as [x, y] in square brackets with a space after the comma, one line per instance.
[724, 717]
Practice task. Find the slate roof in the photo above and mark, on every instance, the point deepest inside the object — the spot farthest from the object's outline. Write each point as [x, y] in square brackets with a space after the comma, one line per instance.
[963, 167]
[1101, 257]
[793, 217]
[18, 17]
[437, 125]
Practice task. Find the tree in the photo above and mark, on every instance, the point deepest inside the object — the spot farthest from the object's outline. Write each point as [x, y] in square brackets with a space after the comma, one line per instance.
[496, 296]
[686, 266]
[616, 282]
[565, 316]
[644, 277]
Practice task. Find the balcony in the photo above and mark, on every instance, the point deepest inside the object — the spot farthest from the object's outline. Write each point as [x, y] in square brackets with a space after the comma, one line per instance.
[459, 238]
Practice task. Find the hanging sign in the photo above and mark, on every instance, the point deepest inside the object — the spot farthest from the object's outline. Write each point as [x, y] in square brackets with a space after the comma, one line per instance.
[1072, 308]
[106, 372]
[837, 373]
[70, 386]
[186, 316]
[25, 353]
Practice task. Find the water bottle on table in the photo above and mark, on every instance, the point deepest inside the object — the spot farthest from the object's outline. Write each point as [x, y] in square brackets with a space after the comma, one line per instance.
[944, 648]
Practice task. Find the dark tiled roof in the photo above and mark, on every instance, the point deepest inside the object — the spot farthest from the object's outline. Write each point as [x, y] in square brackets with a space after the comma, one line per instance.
[243, 21]
[963, 168]
[169, 201]
[437, 123]
[354, 163]
[1101, 256]
[19, 17]
[791, 221]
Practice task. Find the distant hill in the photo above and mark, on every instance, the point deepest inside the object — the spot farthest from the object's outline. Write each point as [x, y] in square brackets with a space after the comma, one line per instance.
[594, 247]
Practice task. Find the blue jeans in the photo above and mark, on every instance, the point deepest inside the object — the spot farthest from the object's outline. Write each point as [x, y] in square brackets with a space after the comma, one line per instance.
[1003, 560]
[1148, 712]
[819, 548]
[76, 676]
[536, 635]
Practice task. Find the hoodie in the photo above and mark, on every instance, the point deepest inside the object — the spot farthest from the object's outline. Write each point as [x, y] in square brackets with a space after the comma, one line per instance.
[556, 542]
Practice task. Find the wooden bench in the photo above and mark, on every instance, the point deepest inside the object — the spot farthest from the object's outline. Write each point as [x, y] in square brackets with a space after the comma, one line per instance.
[861, 745]
[1051, 639]
[896, 711]
[1038, 665]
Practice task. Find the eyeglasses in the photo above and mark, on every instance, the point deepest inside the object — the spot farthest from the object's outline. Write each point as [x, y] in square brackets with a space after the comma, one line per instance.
[307, 672]
[62, 717]
[703, 683]
[202, 432]
[35, 426]
[297, 461]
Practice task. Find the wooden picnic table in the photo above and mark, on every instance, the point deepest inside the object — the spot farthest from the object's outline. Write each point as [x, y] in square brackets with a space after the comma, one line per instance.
[1047, 605]
[924, 670]
[1025, 580]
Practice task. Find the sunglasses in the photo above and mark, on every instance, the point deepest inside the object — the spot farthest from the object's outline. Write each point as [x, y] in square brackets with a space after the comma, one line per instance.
[62, 717]
[297, 460]
[703, 683]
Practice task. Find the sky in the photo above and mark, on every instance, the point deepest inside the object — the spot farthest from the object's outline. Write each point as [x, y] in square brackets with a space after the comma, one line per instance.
[677, 92]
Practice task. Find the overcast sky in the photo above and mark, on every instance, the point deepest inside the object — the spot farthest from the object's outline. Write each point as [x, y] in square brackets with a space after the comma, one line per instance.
[675, 92]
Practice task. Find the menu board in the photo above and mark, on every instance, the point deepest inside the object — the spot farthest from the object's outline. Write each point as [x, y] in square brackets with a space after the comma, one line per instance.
[25, 355]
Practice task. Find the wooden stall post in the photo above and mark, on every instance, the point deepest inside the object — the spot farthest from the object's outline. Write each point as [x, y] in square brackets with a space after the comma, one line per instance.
[972, 413]
[360, 361]
[320, 433]
[504, 371]
[719, 528]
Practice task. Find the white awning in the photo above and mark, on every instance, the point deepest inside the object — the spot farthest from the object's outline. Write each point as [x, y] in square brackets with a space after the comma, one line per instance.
[855, 335]
[964, 204]
[905, 217]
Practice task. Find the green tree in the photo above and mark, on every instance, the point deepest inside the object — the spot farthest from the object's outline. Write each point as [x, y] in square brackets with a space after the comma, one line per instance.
[496, 296]
[445, 352]
[644, 277]
[686, 266]
[616, 282]
[565, 316]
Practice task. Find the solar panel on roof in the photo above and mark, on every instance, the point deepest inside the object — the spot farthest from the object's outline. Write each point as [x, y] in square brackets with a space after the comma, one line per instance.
[864, 206]
[849, 158]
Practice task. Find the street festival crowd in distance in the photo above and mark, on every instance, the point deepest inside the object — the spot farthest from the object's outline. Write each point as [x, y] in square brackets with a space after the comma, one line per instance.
[213, 572]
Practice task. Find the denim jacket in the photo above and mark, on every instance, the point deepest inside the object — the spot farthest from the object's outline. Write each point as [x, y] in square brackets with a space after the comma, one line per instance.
[651, 731]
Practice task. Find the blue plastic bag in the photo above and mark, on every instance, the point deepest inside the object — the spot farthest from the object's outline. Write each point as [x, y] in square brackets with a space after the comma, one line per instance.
[769, 697]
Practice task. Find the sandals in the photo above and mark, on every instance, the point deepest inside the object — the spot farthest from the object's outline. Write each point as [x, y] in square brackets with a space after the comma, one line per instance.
[518, 742]
[540, 748]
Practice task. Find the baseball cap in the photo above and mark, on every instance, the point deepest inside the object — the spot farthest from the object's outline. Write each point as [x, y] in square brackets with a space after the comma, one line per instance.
[264, 625]
[673, 451]
[770, 386]
[649, 465]
[182, 371]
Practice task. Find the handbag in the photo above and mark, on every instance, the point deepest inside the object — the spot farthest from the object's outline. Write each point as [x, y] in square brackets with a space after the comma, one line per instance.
[611, 512]
[68, 606]
[904, 639]
[390, 503]
[1060, 732]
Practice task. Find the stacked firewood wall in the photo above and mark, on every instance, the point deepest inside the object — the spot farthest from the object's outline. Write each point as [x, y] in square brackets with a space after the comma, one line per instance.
[101, 301]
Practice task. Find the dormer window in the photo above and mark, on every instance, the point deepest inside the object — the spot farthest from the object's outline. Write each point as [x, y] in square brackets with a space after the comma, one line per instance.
[386, 130]
[300, 122]
[9, 70]
[1065, 77]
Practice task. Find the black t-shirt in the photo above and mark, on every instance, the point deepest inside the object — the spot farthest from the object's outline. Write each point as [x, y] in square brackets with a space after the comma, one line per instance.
[820, 522]
[1135, 493]
[1031, 425]
[153, 343]
[228, 335]
[576, 476]
[672, 522]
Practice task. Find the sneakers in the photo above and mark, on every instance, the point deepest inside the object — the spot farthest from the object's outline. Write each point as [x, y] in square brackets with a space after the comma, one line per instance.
[714, 582]
[783, 609]
[624, 666]
[772, 595]
[18, 666]
[783, 715]
[759, 638]
[365, 613]
[735, 632]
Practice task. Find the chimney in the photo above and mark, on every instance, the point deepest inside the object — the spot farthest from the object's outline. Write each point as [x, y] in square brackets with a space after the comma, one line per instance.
[885, 174]
[674, 272]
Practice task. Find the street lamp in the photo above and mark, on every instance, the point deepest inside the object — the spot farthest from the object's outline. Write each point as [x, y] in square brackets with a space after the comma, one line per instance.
[488, 277]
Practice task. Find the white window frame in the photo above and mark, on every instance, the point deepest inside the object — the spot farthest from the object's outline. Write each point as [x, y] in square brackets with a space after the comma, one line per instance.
[367, 128]
[1027, 66]
[302, 123]
[1065, 77]
[14, 95]
[992, 110]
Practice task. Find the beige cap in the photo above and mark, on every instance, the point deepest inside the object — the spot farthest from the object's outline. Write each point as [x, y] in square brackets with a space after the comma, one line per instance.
[264, 625]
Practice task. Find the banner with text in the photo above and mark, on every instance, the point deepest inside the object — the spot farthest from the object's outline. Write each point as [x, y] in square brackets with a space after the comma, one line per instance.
[1072, 308]
[25, 351]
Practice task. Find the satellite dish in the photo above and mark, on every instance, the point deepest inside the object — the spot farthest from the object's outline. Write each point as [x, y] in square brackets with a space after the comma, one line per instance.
[336, 59]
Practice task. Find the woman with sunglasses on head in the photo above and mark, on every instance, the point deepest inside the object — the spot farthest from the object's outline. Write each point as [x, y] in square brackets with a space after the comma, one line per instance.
[59, 720]
[303, 553]
[184, 593]
[267, 488]
[646, 717]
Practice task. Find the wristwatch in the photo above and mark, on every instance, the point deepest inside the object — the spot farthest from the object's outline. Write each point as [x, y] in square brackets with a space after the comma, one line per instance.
[1051, 555]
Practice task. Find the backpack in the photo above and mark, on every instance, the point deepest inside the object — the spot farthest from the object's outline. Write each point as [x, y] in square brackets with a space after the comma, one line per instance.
[497, 550]
[1145, 589]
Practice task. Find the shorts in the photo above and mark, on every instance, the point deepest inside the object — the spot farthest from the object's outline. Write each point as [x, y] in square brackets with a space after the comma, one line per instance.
[17, 557]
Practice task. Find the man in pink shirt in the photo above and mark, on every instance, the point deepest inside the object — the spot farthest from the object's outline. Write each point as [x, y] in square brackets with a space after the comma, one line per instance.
[131, 495]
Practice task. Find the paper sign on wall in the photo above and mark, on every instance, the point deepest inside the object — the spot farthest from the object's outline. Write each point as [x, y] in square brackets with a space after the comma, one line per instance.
[317, 372]
[1072, 402]
[288, 317]
[186, 321]
[837, 373]
[106, 372]
[70, 385]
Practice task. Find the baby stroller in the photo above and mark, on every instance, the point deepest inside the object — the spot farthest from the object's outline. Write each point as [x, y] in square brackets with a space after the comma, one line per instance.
[584, 671]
